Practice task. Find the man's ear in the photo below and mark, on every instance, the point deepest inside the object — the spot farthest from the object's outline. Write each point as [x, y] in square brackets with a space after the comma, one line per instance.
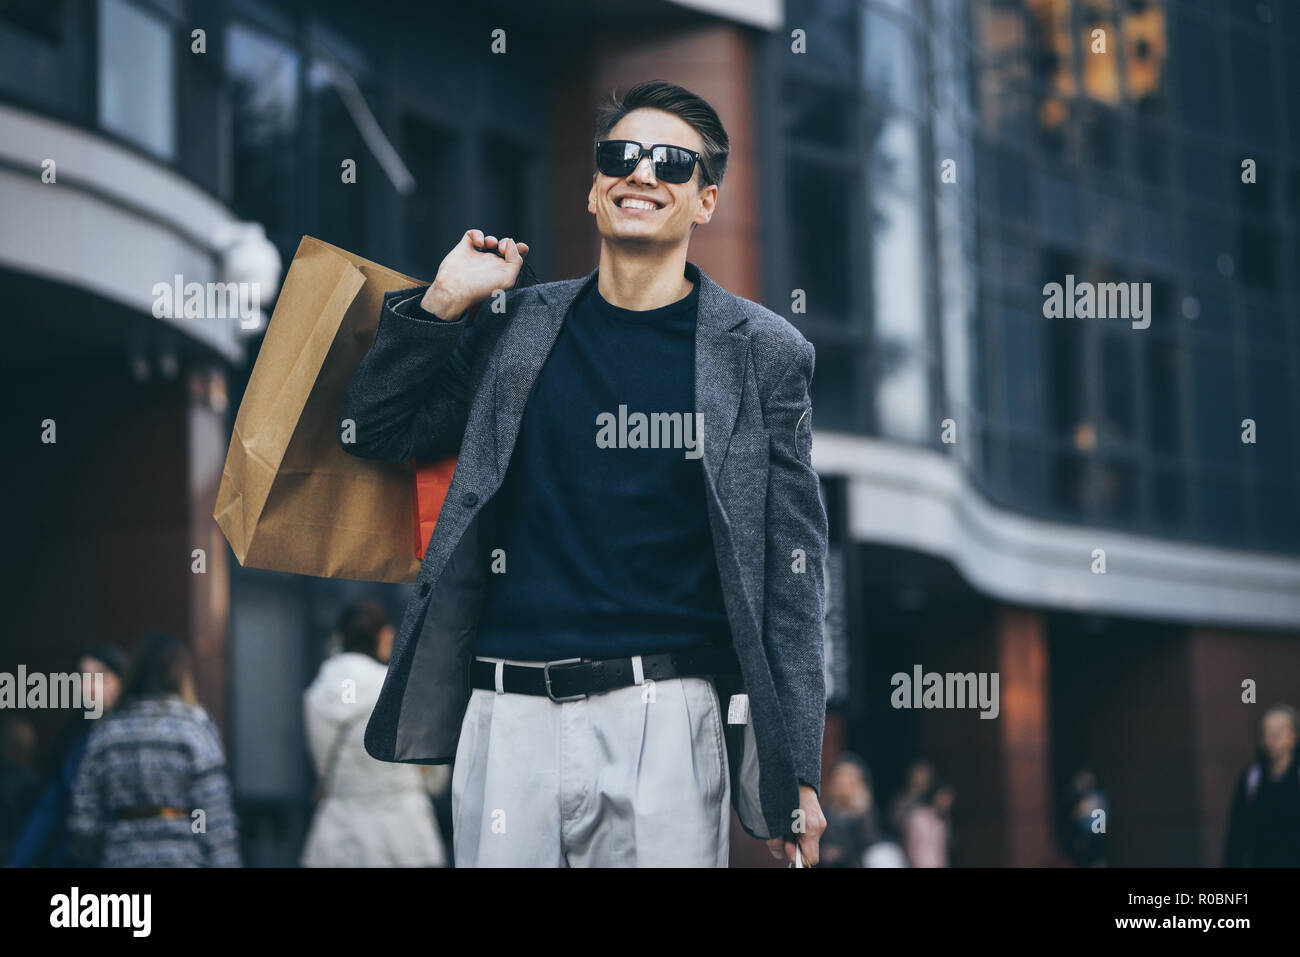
[708, 201]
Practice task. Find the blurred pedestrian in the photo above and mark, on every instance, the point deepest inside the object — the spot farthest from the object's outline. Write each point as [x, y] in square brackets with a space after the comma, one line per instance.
[152, 789]
[927, 828]
[370, 813]
[1264, 823]
[917, 783]
[1083, 835]
[20, 785]
[44, 838]
[851, 819]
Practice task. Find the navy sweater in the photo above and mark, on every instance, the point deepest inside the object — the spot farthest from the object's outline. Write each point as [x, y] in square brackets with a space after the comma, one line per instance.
[601, 518]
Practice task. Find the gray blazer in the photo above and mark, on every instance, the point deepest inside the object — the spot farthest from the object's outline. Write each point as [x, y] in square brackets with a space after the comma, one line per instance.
[428, 389]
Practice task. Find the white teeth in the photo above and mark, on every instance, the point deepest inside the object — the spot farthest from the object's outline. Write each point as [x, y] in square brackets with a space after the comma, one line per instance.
[637, 204]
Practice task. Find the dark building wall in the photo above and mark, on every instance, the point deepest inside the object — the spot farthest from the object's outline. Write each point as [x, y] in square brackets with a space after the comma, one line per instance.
[1223, 725]
[1124, 707]
[96, 526]
[997, 766]
[716, 61]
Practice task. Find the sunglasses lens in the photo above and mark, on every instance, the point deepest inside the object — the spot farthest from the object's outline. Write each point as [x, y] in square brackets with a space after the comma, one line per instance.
[616, 157]
[673, 165]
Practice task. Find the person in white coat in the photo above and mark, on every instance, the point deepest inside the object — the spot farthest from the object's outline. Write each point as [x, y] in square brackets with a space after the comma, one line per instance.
[369, 813]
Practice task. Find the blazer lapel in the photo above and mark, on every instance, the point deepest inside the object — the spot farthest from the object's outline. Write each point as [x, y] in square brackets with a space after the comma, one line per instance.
[720, 355]
[526, 342]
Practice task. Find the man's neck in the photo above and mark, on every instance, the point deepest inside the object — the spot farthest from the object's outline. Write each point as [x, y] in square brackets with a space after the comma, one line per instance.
[642, 280]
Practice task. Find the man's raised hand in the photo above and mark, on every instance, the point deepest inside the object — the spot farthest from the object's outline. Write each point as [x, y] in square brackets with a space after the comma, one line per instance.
[467, 277]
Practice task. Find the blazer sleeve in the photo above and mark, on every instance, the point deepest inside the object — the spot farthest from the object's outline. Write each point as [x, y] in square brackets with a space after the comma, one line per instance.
[794, 607]
[1234, 844]
[411, 394]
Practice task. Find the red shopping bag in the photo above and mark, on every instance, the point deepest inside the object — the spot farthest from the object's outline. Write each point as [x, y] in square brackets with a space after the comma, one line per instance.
[431, 484]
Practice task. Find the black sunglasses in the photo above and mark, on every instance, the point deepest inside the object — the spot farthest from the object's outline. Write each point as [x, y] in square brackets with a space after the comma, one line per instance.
[672, 164]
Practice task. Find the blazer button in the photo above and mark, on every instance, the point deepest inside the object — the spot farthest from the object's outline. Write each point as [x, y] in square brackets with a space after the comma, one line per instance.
[469, 500]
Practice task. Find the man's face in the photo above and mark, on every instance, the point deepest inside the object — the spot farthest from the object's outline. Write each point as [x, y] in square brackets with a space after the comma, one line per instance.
[1279, 735]
[677, 205]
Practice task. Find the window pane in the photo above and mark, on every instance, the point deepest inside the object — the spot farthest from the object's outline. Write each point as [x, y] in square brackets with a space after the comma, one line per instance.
[1208, 171]
[830, 30]
[895, 152]
[1026, 482]
[898, 269]
[506, 186]
[1199, 75]
[1108, 224]
[1252, 88]
[434, 214]
[1256, 260]
[889, 67]
[1278, 508]
[1218, 430]
[1155, 233]
[819, 201]
[1211, 304]
[818, 114]
[340, 207]
[1207, 239]
[832, 388]
[1164, 370]
[1152, 155]
[1058, 206]
[902, 401]
[1021, 365]
[137, 82]
[1065, 385]
[264, 80]
[1117, 395]
[1270, 407]
[1223, 498]
[1013, 186]
[1169, 500]
[1118, 496]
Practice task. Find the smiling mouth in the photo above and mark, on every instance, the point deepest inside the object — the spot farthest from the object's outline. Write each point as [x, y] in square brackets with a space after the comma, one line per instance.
[638, 205]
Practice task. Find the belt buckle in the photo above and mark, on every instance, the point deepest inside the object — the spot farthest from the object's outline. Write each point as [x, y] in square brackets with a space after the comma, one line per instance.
[546, 677]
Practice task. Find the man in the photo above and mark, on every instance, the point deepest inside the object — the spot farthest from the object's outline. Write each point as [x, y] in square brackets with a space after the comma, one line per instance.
[632, 535]
[1264, 822]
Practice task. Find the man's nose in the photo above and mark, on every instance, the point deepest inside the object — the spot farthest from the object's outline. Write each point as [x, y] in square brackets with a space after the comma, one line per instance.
[646, 164]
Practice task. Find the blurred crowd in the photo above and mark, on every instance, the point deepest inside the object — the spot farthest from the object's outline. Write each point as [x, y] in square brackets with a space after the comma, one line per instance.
[146, 785]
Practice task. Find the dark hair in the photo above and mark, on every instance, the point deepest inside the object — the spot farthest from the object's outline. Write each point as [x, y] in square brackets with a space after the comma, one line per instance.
[112, 657]
[360, 625]
[695, 110]
[162, 666]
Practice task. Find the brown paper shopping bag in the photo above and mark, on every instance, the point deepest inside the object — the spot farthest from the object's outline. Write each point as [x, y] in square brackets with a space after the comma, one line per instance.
[290, 498]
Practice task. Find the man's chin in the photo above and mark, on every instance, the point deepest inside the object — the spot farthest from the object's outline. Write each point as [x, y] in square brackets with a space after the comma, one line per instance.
[633, 237]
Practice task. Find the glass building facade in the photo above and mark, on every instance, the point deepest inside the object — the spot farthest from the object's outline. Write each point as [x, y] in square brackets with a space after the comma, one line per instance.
[933, 165]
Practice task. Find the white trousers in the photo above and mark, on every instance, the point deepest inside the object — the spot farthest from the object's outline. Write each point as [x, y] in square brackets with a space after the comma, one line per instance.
[635, 777]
